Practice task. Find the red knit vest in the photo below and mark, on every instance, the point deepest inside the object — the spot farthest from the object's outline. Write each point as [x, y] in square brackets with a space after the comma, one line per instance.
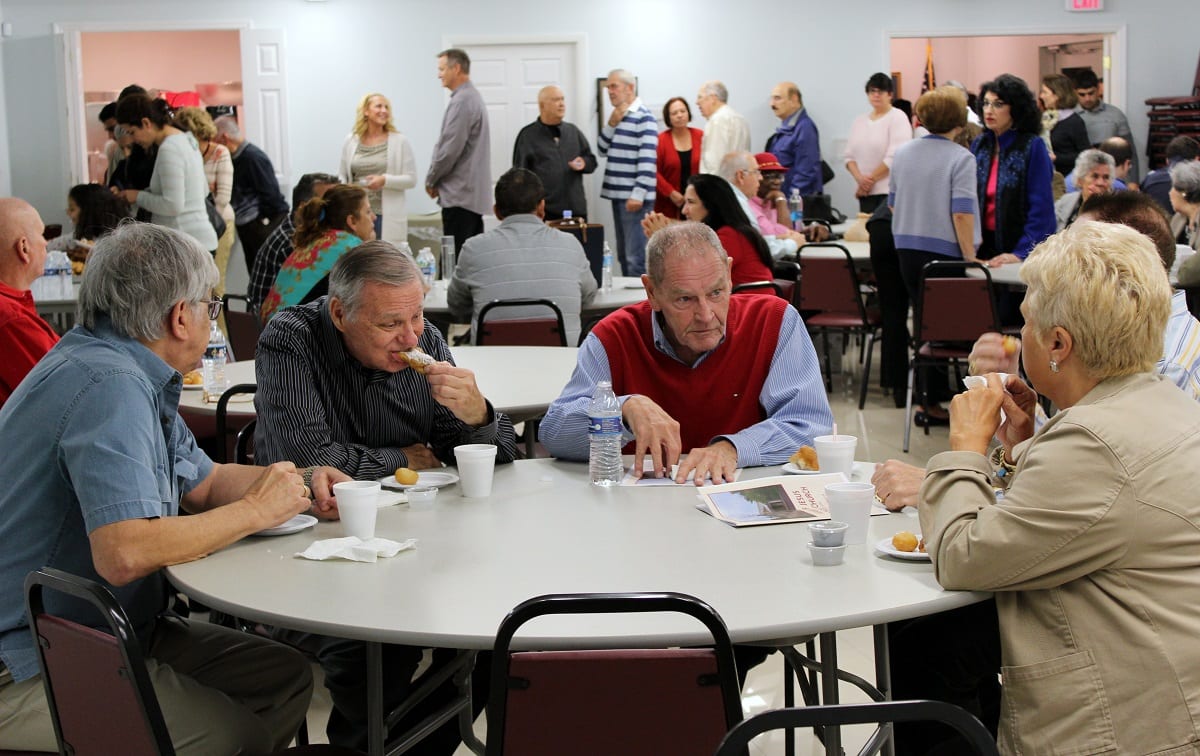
[720, 395]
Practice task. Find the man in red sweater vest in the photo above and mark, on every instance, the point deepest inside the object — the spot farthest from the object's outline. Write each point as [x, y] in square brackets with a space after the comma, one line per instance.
[24, 336]
[735, 380]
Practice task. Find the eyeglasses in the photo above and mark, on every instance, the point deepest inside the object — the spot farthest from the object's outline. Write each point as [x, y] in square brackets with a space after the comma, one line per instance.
[214, 307]
[994, 104]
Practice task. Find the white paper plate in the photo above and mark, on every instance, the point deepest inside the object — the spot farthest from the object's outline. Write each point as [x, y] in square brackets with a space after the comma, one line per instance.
[885, 547]
[862, 471]
[294, 525]
[427, 478]
[193, 386]
[791, 469]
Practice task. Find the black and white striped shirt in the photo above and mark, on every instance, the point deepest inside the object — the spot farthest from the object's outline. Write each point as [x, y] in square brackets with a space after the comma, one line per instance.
[317, 405]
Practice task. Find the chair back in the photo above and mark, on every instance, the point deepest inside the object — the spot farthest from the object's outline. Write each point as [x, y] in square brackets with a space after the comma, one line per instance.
[754, 286]
[829, 285]
[953, 308]
[243, 326]
[591, 702]
[229, 435]
[523, 331]
[100, 696]
[969, 727]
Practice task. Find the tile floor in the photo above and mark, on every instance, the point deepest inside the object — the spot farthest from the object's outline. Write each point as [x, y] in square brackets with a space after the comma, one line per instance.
[880, 428]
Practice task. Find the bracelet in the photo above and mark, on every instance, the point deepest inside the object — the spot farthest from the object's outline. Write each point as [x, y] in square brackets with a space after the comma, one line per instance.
[307, 474]
[1003, 467]
[781, 199]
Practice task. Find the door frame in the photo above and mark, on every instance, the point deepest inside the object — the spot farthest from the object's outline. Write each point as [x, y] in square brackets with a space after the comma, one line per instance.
[70, 40]
[1115, 39]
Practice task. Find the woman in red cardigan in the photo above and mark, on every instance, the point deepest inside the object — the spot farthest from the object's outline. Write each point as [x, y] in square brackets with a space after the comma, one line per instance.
[678, 157]
[710, 200]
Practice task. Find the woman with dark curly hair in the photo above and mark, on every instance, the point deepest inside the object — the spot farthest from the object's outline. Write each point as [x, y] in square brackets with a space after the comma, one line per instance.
[94, 211]
[710, 200]
[1013, 173]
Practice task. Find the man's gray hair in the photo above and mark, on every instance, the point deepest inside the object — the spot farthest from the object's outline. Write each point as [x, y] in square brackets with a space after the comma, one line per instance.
[1185, 177]
[734, 162]
[680, 240]
[138, 272]
[715, 88]
[624, 76]
[228, 126]
[1089, 159]
[378, 261]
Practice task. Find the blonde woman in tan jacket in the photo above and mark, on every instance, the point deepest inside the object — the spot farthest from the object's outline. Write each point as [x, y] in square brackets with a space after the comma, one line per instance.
[1094, 549]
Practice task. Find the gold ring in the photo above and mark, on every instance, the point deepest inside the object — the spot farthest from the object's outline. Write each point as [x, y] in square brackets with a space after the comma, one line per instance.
[306, 491]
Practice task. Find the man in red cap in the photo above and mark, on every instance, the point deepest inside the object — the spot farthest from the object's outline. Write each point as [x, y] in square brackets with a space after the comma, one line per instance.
[770, 206]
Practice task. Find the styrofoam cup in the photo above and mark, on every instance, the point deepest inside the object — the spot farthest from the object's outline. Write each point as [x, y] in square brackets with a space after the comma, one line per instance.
[357, 506]
[851, 503]
[836, 453]
[476, 464]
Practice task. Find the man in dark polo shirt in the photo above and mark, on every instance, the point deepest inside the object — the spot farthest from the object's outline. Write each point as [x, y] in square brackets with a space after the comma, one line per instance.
[257, 201]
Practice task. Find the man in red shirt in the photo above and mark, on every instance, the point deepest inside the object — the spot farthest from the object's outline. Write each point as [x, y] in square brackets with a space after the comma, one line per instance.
[24, 336]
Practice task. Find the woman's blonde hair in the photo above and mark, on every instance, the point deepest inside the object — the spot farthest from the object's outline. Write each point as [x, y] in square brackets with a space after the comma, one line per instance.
[1104, 284]
[360, 115]
[197, 122]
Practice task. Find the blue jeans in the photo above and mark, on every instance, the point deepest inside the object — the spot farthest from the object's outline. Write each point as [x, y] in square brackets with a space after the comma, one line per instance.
[631, 239]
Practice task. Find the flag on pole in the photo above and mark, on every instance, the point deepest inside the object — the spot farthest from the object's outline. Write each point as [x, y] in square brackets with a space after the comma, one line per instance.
[930, 81]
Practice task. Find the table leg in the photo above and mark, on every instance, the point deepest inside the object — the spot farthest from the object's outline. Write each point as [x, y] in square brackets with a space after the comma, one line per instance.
[789, 700]
[883, 681]
[829, 689]
[375, 730]
[466, 722]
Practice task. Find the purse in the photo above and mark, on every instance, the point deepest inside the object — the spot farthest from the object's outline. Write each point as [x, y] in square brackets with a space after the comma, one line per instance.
[820, 207]
[214, 215]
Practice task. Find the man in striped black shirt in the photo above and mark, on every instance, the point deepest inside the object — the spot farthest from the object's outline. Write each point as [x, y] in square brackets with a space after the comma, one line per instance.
[332, 387]
[630, 142]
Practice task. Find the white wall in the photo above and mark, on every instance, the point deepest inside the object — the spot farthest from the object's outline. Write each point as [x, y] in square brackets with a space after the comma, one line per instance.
[342, 48]
[5, 174]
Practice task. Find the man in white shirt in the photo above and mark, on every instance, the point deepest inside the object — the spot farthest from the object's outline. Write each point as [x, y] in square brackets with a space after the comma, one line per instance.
[726, 130]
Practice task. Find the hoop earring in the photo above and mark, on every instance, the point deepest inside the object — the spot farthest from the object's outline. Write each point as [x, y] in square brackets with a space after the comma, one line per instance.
[1053, 366]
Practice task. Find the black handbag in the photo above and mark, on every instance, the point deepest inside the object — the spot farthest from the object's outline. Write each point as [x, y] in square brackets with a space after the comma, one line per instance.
[827, 173]
[820, 207]
[214, 215]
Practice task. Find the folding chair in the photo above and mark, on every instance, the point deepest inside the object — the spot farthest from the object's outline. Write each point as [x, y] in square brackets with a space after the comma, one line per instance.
[234, 436]
[522, 331]
[950, 313]
[633, 702]
[969, 727]
[243, 326]
[829, 288]
[753, 286]
[100, 696]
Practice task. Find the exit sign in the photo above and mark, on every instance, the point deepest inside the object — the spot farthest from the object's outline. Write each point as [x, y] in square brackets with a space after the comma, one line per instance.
[1085, 5]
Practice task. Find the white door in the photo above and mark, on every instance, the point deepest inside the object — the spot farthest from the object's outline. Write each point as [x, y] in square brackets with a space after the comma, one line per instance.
[264, 97]
[508, 76]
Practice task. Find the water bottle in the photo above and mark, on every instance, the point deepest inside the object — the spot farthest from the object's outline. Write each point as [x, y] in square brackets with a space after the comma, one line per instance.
[447, 258]
[213, 363]
[606, 282]
[796, 206]
[61, 264]
[568, 218]
[427, 265]
[604, 437]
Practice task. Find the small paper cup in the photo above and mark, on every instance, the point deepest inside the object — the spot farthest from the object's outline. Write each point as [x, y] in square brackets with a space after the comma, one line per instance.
[421, 497]
[829, 533]
[826, 556]
[357, 506]
[851, 503]
[476, 464]
[836, 453]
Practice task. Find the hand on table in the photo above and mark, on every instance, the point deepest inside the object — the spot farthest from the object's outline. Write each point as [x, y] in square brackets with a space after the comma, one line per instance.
[718, 461]
[816, 232]
[577, 164]
[278, 495]
[655, 433]
[897, 484]
[988, 355]
[454, 388]
[1004, 259]
[324, 506]
[421, 457]
[654, 222]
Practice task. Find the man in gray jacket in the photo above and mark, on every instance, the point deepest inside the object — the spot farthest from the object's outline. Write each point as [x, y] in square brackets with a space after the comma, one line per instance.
[523, 258]
[460, 176]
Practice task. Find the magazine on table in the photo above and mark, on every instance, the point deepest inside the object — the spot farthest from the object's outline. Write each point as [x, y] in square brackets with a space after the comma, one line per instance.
[769, 501]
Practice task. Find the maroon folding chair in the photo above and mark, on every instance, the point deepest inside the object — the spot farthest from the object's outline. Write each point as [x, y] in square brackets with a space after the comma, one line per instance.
[755, 286]
[522, 331]
[635, 702]
[829, 289]
[99, 693]
[950, 313]
[243, 326]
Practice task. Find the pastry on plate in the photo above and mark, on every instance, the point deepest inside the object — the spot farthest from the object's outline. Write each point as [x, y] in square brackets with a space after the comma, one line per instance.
[805, 458]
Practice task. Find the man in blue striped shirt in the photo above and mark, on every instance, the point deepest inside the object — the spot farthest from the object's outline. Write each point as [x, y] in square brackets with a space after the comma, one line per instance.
[630, 142]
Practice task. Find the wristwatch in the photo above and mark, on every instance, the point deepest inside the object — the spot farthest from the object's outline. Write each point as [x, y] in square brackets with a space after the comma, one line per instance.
[307, 474]
[1003, 467]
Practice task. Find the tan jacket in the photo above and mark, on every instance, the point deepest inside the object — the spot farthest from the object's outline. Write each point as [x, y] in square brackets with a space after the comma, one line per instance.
[1095, 553]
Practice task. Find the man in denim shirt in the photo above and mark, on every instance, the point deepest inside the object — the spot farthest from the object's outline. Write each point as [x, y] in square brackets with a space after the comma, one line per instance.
[98, 463]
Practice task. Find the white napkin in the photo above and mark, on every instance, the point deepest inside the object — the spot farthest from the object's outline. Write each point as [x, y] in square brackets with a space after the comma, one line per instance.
[355, 549]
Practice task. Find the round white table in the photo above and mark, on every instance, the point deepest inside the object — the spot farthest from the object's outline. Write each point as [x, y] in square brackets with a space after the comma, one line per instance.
[519, 381]
[546, 529]
[626, 291]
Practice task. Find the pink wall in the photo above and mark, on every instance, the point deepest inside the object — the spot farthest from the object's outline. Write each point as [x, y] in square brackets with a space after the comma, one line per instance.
[974, 60]
[174, 61]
